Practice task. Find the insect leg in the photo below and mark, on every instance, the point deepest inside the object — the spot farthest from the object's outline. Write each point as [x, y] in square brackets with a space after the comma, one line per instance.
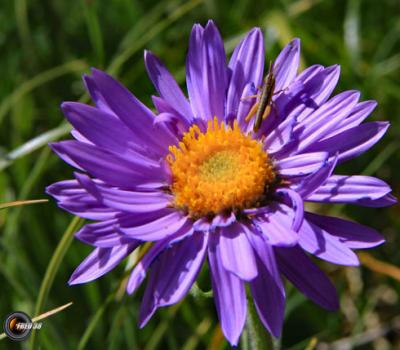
[253, 111]
[248, 97]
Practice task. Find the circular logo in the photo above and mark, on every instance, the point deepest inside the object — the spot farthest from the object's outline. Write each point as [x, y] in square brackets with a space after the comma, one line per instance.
[17, 325]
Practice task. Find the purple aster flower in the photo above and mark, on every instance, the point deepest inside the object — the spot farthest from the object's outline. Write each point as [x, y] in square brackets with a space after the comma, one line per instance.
[197, 181]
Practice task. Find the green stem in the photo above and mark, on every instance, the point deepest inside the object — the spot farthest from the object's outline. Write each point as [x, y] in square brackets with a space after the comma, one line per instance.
[52, 269]
[256, 336]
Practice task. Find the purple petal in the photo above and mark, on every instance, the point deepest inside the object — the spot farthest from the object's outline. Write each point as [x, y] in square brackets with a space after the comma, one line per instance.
[307, 277]
[139, 272]
[308, 92]
[206, 72]
[202, 225]
[173, 121]
[267, 288]
[102, 234]
[312, 182]
[245, 104]
[320, 243]
[358, 114]
[166, 85]
[321, 122]
[104, 130]
[229, 295]
[301, 164]
[287, 64]
[349, 189]
[160, 228]
[295, 202]
[247, 65]
[352, 234]
[223, 220]
[111, 168]
[384, 201]
[100, 261]
[279, 137]
[75, 199]
[276, 228]
[173, 274]
[132, 112]
[96, 95]
[352, 142]
[236, 253]
[128, 201]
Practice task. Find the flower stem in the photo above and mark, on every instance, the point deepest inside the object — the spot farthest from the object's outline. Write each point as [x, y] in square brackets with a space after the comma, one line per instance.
[256, 337]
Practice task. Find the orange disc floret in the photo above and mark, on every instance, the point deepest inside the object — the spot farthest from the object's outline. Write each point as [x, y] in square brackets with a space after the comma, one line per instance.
[218, 170]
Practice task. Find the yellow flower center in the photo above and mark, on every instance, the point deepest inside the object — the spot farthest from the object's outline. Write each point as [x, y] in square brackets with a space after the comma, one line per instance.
[219, 170]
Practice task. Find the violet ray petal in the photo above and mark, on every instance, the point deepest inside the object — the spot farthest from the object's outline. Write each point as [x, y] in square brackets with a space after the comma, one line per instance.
[79, 137]
[139, 272]
[307, 277]
[172, 274]
[202, 225]
[105, 131]
[352, 234]
[173, 121]
[194, 70]
[100, 261]
[111, 168]
[320, 243]
[325, 118]
[245, 105]
[287, 205]
[148, 305]
[103, 234]
[236, 253]
[309, 73]
[229, 295]
[267, 288]
[312, 182]
[352, 142]
[276, 228]
[178, 277]
[358, 114]
[295, 202]
[215, 77]
[163, 106]
[86, 207]
[247, 65]
[64, 156]
[223, 220]
[166, 85]
[287, 64]
[301, 164]
[321, 87]
[303, 97]
[349, 189]
[279, 137]
[65, 189]
[96, 95]
[158, 229]
[132, 112]
[342, 103]
[72, 197]
[384, 201]
[128, 201]
[206, 76]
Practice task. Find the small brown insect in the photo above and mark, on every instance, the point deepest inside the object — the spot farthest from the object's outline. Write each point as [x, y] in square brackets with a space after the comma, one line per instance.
[262, 108]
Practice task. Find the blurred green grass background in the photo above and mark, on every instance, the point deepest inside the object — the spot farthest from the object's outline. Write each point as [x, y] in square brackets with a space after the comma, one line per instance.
[46, 45]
